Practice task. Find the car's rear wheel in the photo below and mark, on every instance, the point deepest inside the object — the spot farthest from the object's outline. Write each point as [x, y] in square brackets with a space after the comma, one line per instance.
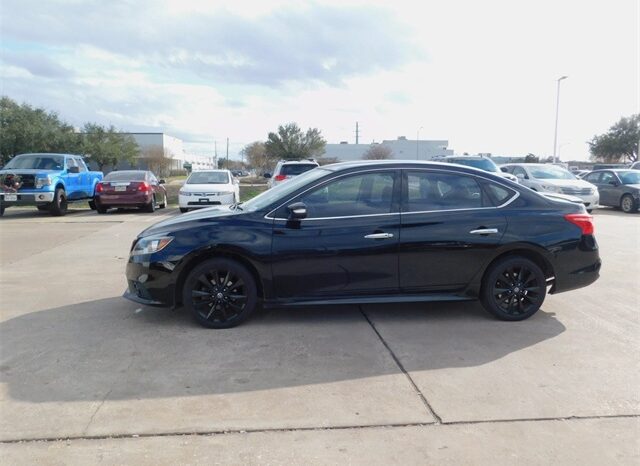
[151, 206]
[628, 204]
[101, 209]
[513, 288]
[220, 293]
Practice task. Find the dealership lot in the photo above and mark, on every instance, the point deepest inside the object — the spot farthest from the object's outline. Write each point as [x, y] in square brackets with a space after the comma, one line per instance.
[370, 384]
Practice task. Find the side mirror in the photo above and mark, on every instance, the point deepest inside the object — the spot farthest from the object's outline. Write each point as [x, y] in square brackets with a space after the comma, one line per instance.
[504, 169]
[267, 175]
[161, 182]
[297, 211]
[520, 176]
[73, 169]
[613, 183]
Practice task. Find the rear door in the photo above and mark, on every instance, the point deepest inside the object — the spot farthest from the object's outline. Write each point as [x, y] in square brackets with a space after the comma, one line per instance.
[450, 228]
[347, 245]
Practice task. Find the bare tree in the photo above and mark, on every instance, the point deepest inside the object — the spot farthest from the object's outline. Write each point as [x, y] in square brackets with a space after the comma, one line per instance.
[378, 152]
[257, 158]
[157, 159]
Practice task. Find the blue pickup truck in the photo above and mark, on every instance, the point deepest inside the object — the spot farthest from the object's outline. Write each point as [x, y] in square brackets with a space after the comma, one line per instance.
[46, 181]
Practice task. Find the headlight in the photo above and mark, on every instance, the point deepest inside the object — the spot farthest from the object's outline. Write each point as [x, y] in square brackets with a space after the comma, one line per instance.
[552, 189]
[43, 181]
[150, 245]
[184, 193]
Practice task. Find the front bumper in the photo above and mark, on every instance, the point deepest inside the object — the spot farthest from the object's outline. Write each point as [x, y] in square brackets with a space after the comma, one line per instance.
[26, 199]
[194, 202]
[150, 283]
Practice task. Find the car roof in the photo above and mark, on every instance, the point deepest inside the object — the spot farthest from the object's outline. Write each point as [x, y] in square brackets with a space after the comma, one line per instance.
[289, 162]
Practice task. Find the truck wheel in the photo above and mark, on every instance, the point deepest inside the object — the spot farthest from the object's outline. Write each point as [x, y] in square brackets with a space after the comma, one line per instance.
[59, 205]
[92, 205]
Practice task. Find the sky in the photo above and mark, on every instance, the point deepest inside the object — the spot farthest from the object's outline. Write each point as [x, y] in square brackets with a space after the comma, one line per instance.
[482, 75]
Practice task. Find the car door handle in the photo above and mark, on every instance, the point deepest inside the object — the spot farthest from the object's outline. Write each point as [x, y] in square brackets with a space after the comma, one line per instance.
[484, 231]
[379, 236]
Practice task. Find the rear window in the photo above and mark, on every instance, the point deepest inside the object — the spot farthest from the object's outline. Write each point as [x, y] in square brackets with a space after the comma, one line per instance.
[125, 176]
[296, 168]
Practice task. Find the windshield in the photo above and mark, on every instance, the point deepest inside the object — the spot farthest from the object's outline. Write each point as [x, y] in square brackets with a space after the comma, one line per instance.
[551, 172]
[483, 164]
[36, 161]
[208, 178]
[295, 169]
[281, 191]
[125, 176]
[630, 177]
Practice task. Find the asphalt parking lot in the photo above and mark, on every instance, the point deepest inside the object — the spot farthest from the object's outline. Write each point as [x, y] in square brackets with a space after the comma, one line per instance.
[89, 377]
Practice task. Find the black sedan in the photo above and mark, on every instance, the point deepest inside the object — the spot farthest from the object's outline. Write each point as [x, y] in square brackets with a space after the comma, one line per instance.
[368, 232]
[617, 188]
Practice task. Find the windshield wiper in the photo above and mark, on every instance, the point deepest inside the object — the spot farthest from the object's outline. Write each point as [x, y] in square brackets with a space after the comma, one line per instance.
[236, 206]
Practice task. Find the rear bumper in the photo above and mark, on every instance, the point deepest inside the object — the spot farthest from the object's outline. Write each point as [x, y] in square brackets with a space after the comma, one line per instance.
[578, 267]
[117, 200]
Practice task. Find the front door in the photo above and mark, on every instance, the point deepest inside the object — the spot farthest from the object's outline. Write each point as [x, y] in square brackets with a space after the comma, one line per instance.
[450, 228]
[347, 245]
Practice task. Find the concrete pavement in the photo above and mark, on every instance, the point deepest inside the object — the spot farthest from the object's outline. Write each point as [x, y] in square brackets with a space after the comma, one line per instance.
[443, 383]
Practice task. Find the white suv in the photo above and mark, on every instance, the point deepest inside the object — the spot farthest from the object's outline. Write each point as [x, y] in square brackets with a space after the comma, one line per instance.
[287, 169]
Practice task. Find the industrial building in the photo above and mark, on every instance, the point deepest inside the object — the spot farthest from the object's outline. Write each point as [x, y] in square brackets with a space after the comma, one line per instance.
[401, 149]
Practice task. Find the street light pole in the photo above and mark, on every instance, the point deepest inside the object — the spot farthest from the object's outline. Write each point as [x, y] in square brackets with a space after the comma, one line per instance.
[555, 137]
[418, 143]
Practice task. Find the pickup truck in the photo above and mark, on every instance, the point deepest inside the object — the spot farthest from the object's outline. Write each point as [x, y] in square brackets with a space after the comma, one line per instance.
[46, 181]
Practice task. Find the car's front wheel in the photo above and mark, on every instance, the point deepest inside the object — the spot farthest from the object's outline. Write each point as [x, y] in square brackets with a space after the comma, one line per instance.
[59, 205]
[628, 204]
[513, 288]
[220, 293]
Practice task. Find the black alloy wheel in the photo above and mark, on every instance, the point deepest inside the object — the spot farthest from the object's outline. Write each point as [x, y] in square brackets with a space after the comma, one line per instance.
[513, 288]
[220, 293]
[59, 205]
[151, 206]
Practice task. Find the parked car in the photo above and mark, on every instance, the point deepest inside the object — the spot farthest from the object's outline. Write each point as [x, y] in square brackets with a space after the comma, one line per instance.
[635, 166]
[368, 232]
[618, 188]
[286, 170]
[580, 174]
[206, 188]
[47, 181]
[130, 189]
[482, 163]
[553, 179]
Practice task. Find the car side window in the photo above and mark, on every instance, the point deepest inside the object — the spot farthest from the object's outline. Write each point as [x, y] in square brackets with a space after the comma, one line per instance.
[81, 166]
[71, 162]
[361, 194]
[592, 177]
[607, 177]
[432, 191]
[497, 193]
[519, 171]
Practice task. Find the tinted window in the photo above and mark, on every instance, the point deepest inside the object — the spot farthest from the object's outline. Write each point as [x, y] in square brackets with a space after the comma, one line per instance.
[497, 193]
[208, 178]
[125, 176]
[427, 191]
[592, 177]
[296, 168]
[364, 194]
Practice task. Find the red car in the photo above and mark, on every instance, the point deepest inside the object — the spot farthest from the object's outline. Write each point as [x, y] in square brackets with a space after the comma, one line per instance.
[130, 188]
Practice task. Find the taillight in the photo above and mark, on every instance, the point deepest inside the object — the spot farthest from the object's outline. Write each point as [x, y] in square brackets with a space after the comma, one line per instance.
[280, 177]
[99, 188]
[144, 187]
[584, 221]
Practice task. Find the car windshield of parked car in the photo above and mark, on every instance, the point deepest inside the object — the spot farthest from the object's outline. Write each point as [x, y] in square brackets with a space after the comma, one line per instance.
[208, 178]
[551, 173]
[483, 164]
[630, 177]
[281, 191]
[125, 176]
[36, 161]
[294, 169]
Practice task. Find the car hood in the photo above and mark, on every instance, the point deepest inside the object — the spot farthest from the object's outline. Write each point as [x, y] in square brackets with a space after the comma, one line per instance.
[205, 188]
[634, 186]
[565, 183]
[31, 171]
[190, 219]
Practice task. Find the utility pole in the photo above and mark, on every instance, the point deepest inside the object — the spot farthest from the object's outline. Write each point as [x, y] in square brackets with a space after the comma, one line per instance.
[357, 133]
[227, 153]
[418, 143]
[215, 152]
[555, 136]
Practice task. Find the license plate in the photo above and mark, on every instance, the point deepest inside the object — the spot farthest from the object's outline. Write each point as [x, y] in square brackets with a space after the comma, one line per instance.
[10, 197]
[203, 200]
[121, 188]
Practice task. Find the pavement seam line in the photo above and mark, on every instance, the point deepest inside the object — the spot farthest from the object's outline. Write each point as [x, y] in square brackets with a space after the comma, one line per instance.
[86, 429]
[212, 433]
[424, 400]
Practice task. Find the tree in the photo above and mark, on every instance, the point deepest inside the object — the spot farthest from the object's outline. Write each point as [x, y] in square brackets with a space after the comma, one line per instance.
[619, 143]
[290, 143]
[28, 129]
[256, 156]
[107, 146]
[531, 158]
[157, 159]
[378, 152]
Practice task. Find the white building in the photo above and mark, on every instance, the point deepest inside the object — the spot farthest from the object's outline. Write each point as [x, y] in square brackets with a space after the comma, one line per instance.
[401, 149]
[174, 148]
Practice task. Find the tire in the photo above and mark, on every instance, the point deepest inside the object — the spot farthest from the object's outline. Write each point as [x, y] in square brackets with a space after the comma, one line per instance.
[1, 210]
[102, 209]
[58, 207]
[92, 205]
[214, 305]
[184, 210]
[589, 211]
[628, 204]
[164, 201]
[151, 206]
[513, 288]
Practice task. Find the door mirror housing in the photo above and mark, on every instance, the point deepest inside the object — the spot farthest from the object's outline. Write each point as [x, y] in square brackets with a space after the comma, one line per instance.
[161, 182]
[297, 211]
[613, 183]
[267, 175]
[73, 170]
